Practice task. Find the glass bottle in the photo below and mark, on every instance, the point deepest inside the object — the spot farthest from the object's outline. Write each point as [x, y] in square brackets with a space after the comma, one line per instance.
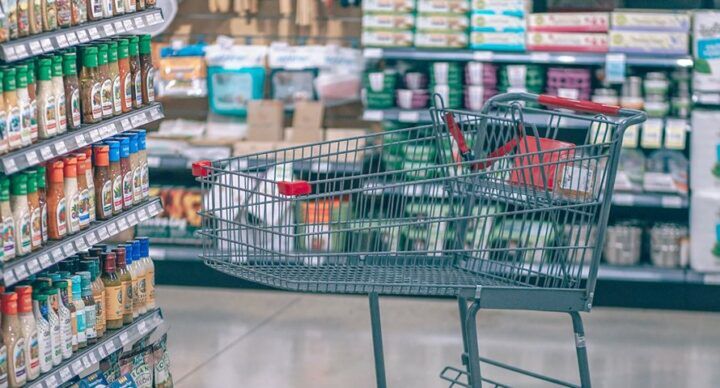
[21, 213]
[139, 273]
[98, 290]
[127, 280]
[72, 90]
[42, 185]
[23, 97]
[103, 182]
[81, 317]
[147, 69]
[47, 109]
[129, 264]
[126, 172]
[12, 108]
[34, 210]
[116, 176]
[32, 92]
[126, 84]
[89, 174]
[149, 272]
[29, 331]
[83, 194]
[65, 297]
[4, 135]
[114, 303]
[90, 308]
[136, 71]
[104, 74]
[114, 73]
[57, 206]
[59, 86]
[43, 329]
[90, 87]
[14, 340]
[71, 194]
[66, 323]
[8, 220]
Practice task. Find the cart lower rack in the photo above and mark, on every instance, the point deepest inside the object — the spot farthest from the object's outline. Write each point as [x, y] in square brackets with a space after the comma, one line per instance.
[496, 210]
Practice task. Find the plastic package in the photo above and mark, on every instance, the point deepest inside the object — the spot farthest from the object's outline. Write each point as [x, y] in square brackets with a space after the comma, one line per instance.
[236, 75]
[182, 75]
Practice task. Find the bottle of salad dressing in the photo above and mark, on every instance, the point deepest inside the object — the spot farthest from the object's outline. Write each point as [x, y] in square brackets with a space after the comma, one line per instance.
[14, 340]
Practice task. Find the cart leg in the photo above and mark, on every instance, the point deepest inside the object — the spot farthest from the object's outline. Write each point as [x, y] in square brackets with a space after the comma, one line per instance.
[581, 350]
[377, 341]
[471, 342]
[462, 307]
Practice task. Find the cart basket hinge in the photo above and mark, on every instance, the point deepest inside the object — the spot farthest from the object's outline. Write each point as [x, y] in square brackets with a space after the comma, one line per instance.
[478, 292]
[200, 168]
[579, 340]
[294, 188]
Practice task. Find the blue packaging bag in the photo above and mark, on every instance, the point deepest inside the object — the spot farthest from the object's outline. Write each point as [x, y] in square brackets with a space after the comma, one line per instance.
[230, 90]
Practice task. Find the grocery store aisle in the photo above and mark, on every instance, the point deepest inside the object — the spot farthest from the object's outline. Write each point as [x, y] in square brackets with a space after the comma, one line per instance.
[224, 338]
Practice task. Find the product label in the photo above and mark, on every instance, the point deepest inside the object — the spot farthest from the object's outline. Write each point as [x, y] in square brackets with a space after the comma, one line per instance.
[96, 101]
[66, 333]
[61, 114]
[36, 227]
[24, 233]
[90, 321]
[27, 120]
[96, 9]
[106, 98]
[99, 313]
[150, 85]
[3, 129]
[117, 102]
[108, 8]
[119, 6]
[61, 217]
[141, 289]
[114, 304]
[45, 345]
[18, 359]
[14, 128]
[33, 349]
[43, 220]
[75, 108]
[9, 237]
[3, 366]
[107, 199]
[117, 194]
[73, 324]
[33, 120]
[81, 326]
[128, 91]
[84, 207]
[56, 341]
[137, 86]
[127, 298]
[48, 119]
[128, 189]
[145, 180]
[137, 183]
[74, 210]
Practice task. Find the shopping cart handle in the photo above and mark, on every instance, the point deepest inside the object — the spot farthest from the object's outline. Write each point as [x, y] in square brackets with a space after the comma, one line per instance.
[200, 168]
[293, 189]
[582, 106]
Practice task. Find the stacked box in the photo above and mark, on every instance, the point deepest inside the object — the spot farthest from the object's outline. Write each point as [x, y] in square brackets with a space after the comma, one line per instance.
[649, 32]
[379, 89]
[571, 31]
[388, 23]
[442, 23]
[498, 25]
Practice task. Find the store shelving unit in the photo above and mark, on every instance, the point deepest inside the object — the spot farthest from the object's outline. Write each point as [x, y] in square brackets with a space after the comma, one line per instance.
[47, 42]
[87, 134]
[529, 57]
[113, 340]
[57, 251]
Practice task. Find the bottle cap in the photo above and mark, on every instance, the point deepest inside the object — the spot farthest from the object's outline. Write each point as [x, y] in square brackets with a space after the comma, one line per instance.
[24, 295]
[41, 183]
[102, 54]
[124, 146]
[90, 57]
[32, 181]
[9, 303]
[101, 152]
[88, 152]
[56, 173]
[69, 64]
[123, 48]
[57, 68]
[70, 169]
[114, 150]
[9, 79]
[120, 257]
[128, 252]
[76, 285]
[134, 42]
[44, 69]
[112, 52]
[136, 250]
[109, 262]
[144, 246]
[21, 76]
[18, 184]
[81, 165]
[145, 47]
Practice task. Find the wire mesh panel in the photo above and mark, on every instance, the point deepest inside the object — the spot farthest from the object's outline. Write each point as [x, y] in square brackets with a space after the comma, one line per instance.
[516, 201]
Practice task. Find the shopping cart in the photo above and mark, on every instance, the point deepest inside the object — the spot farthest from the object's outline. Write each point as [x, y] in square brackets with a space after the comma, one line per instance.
[502, 209]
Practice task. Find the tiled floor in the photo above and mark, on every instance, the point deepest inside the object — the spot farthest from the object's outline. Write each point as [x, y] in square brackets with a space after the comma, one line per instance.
[231, 338]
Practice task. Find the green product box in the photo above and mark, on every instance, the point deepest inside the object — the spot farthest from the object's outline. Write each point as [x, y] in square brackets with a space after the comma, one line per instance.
[321, 225]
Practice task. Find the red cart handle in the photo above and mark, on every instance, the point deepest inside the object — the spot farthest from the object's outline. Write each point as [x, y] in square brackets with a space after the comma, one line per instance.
[582, 106]
[200, 168]
[294, 189]
[456, 133]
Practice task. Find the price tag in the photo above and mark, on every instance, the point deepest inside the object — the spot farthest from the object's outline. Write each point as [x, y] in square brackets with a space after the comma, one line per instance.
[675, 134]
[137, 119]
[110, 347]
[86, 362]
[671, 201]
[94, 34]
[124, 338]
[122, 224]
[95, 135]
[77, 367]
[80, 140]
[112, 229]
[57, 255]
[80, 245]
[91, 239]
[126, 126]
[119, 27]
[46, 45]
[156, 114]
[60, 148]
[51, 381]
[21, 272]
[540, 57]
[10, 278]
[484, 56]
[61, 41]
[142, 328]
[143, 215]
[150, 20]
[33, 266]
[139, 22]
[132, 219]
[373, 53]
[46, 153]
[31, 157]
[102, 353]
[35, 47]
[9, 165]
[44, 260]
[92, 359]
[409, 116]
[652, 133]
[71, 38]
[615, 68]
[10, 53]
[65, 374]
[373, 115]
[102, 233]
[21, 51]
[108, 28]
[82, 36]
[68, 249]
[128, 25]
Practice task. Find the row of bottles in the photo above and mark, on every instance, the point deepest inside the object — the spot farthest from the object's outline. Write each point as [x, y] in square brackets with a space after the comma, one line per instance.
[48, 317]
